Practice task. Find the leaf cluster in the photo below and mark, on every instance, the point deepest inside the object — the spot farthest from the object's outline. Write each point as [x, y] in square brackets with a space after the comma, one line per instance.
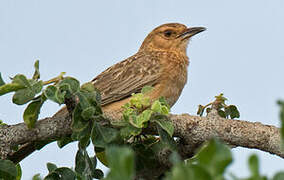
[224, 110]
[140, 111]
[209, 163]
[30, 90]
[85, 169]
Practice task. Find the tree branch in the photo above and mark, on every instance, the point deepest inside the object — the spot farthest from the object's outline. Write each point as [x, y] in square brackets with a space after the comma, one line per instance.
[193, 131]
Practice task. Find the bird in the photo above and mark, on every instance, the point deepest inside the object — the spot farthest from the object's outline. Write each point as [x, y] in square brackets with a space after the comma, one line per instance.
[161, 62]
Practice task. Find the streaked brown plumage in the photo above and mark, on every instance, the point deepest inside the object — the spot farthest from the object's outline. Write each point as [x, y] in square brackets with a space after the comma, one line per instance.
[161, 62]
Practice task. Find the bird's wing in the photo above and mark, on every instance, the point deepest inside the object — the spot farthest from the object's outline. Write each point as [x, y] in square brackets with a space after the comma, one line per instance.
[127, 77]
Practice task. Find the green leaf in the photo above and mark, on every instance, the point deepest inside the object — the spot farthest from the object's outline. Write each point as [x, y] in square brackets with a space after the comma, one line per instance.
[36, 75]
[80, 163]
[92, 94]
[101, 155]
[2, 123]
[83, 100]
[102, 136]
[1, 80]
[90, 168]
[175, 158]
[129, 130]
[141, 119]
[164, 102]
[165, 110]
[160, 107]
[64, 141]
[156, 107]
[64, 87]
[85, 165]
[215, 157]
[32, 111]
[37, 87]
[278, 176]
[232, 111]
[221, 98]
[23, 96]
[127, 112]
[166, 138]
[78, 123]
[53, 93]
[52, 176]
[90, 99]
[182, 171]
[6, 88]
[94, 161]
[145, 102]
[88, 112]
[166, 125]
[19, 172]
[51, 167]
[222, 113]
[146, 89]
[62, 173]
[49, 92]
[72, 82]
[136, 100]
[21, 80]
[121, 163]
[8, 170]
[36, 177]
[89, 87]
[84, 136]
[254, 165]
[98, 174]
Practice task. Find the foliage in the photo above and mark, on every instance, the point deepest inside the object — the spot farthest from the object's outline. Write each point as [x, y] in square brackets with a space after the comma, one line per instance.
[123, 146]
[224, 110]
[86, 111]
[121, 161]
[9, 171]
[209, 163]
[85, 168]
[139, 112]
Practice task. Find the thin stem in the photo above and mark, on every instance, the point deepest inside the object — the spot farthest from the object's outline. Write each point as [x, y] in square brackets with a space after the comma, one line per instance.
[55, 80]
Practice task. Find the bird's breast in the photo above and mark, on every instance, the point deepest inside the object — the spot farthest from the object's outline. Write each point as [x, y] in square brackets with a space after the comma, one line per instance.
[173, 79]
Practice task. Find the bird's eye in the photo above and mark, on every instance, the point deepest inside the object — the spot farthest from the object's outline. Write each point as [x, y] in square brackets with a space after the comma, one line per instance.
[168, 33]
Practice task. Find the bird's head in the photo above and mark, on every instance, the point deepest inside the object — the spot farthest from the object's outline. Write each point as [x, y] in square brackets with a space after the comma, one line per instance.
[170, 37]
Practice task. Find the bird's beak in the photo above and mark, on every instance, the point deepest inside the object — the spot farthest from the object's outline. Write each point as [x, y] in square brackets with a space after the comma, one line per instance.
[191, 32]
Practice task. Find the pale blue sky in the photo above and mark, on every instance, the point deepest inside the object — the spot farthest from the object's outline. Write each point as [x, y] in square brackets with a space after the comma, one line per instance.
[241, 54]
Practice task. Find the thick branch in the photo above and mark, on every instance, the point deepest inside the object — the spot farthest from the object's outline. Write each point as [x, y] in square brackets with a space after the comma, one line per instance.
[193, 130]
[45, 130]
